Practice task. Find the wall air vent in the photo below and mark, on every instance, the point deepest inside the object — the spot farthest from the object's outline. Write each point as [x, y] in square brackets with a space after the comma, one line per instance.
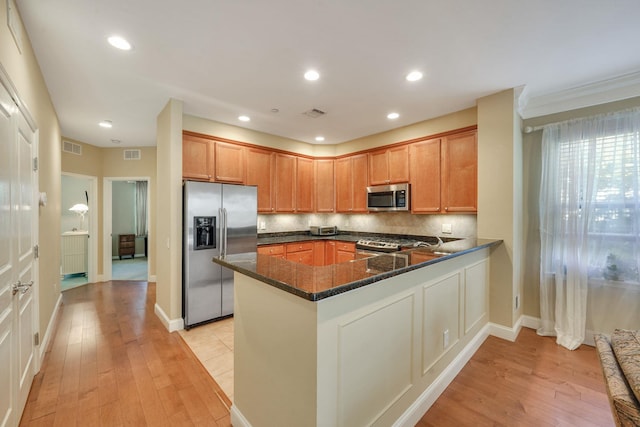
[314, 113]
[71, 147]
[132, 154]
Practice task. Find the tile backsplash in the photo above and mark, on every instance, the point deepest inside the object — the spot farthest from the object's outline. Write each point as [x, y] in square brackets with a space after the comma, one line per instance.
[390, 222]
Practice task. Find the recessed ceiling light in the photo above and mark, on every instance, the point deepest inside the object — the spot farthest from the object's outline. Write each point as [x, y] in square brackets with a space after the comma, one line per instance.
[244, 118]
[119, 43]
[106, 124]
[319, 138]
[414, 76]
[312, 75]
[393, 116]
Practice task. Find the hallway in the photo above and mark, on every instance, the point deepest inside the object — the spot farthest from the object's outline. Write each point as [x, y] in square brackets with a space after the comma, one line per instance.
[112, 362]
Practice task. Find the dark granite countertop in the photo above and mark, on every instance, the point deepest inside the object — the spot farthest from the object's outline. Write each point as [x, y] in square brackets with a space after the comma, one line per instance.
[318, 282]
[351, 236]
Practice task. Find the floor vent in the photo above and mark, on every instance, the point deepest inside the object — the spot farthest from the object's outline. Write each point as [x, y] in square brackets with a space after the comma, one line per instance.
[132, 154]
[72, 147]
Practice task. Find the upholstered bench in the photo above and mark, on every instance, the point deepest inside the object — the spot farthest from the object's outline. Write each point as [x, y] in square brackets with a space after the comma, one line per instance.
[620, 360]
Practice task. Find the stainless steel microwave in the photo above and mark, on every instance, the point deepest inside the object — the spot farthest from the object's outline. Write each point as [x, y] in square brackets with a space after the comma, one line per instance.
[388, 198]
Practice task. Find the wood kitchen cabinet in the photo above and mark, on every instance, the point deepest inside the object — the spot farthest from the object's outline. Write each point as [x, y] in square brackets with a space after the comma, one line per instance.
[285, 183]
[272, 250]
[301, 252]
[319, 252]
[259, 172]
[229, 163]
[204, 159]
[351, 184]
[197, 158]
[345, 251]
[444, 174]
[329, 252]
[389, 166]
[305, 187]
[460, 172]
[425, 176]
[324, 185]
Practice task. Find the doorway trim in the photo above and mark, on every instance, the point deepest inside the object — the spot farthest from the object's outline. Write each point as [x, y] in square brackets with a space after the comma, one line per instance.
[107, 223]
[92, 274]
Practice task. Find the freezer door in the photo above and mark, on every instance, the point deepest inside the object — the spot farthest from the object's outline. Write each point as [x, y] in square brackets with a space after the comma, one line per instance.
[240, 204]
[202, 284]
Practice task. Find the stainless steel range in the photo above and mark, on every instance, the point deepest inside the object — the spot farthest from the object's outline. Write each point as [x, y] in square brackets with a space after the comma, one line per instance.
[379, 245]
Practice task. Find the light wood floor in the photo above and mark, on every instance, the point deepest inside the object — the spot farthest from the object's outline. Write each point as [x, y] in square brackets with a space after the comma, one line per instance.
[532, 382]
[111, 363]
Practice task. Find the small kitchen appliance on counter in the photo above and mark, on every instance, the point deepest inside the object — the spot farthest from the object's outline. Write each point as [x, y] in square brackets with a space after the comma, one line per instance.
[323, 230]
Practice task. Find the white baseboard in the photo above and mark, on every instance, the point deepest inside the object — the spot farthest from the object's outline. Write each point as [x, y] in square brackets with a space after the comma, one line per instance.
[504, 332]
[237, 419]
[535, 323]
[428, 397]
[170, 324]
[152, 278]
[531, 322]
[44, 342]
[100, 278]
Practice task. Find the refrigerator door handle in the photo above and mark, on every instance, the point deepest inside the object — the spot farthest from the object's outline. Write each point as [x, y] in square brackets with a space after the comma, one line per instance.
[222, 230]
[223, 251]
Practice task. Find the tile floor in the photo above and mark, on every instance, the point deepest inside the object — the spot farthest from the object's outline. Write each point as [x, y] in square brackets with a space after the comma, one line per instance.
[213, 346]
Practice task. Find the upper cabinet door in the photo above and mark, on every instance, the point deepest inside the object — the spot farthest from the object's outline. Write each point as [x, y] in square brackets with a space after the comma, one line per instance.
[229, 161]
[389, 166]
[425, 176]
[398, 158]
[325, 185]
[259, 172]
[360, 175]
[197, 158]
[304, 185]
[378, 168]
[460, 172]
[344, 185]
[285, 183]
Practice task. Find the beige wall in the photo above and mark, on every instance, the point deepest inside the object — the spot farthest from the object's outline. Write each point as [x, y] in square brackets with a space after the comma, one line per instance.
[499, 207]
[599, 303]
[109, 163]
[457, 120]
[24, 73]
[169, 215]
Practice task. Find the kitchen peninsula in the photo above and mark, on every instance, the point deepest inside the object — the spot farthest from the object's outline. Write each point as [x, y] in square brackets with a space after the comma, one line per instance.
[365, 342]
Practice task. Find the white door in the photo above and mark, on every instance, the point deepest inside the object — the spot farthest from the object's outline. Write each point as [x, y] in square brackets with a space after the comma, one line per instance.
[17, 273]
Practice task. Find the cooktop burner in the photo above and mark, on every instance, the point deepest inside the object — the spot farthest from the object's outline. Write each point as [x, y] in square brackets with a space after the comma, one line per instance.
[378, 245]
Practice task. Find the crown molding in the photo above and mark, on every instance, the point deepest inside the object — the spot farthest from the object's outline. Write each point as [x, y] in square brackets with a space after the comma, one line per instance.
[602, 92]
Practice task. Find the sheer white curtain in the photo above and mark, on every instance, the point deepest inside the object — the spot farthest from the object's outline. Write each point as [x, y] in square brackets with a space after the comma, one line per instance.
[141, 208]
[590, 226]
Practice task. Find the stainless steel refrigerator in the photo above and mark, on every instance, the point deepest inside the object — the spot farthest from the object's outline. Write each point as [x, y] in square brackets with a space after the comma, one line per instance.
[219, 219]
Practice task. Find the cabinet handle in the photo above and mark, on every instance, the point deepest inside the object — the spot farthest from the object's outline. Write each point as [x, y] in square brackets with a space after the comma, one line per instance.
[446, 208]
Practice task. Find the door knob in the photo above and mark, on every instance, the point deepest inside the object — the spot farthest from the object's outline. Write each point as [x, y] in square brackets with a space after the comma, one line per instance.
[23, 288]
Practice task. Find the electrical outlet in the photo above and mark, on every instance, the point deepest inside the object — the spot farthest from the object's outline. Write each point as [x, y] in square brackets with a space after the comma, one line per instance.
[262, 225]
[445, 338]
[346, 223]
[446, 228]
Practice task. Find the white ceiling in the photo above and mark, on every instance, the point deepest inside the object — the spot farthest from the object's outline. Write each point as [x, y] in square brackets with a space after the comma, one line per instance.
[224, 58]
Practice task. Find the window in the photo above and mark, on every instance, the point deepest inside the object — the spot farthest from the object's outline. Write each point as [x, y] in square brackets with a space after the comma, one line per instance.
[590, 225]
[614, 215]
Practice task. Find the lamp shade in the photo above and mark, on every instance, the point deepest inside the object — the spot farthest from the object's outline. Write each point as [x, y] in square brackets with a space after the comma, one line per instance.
[79, 208]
